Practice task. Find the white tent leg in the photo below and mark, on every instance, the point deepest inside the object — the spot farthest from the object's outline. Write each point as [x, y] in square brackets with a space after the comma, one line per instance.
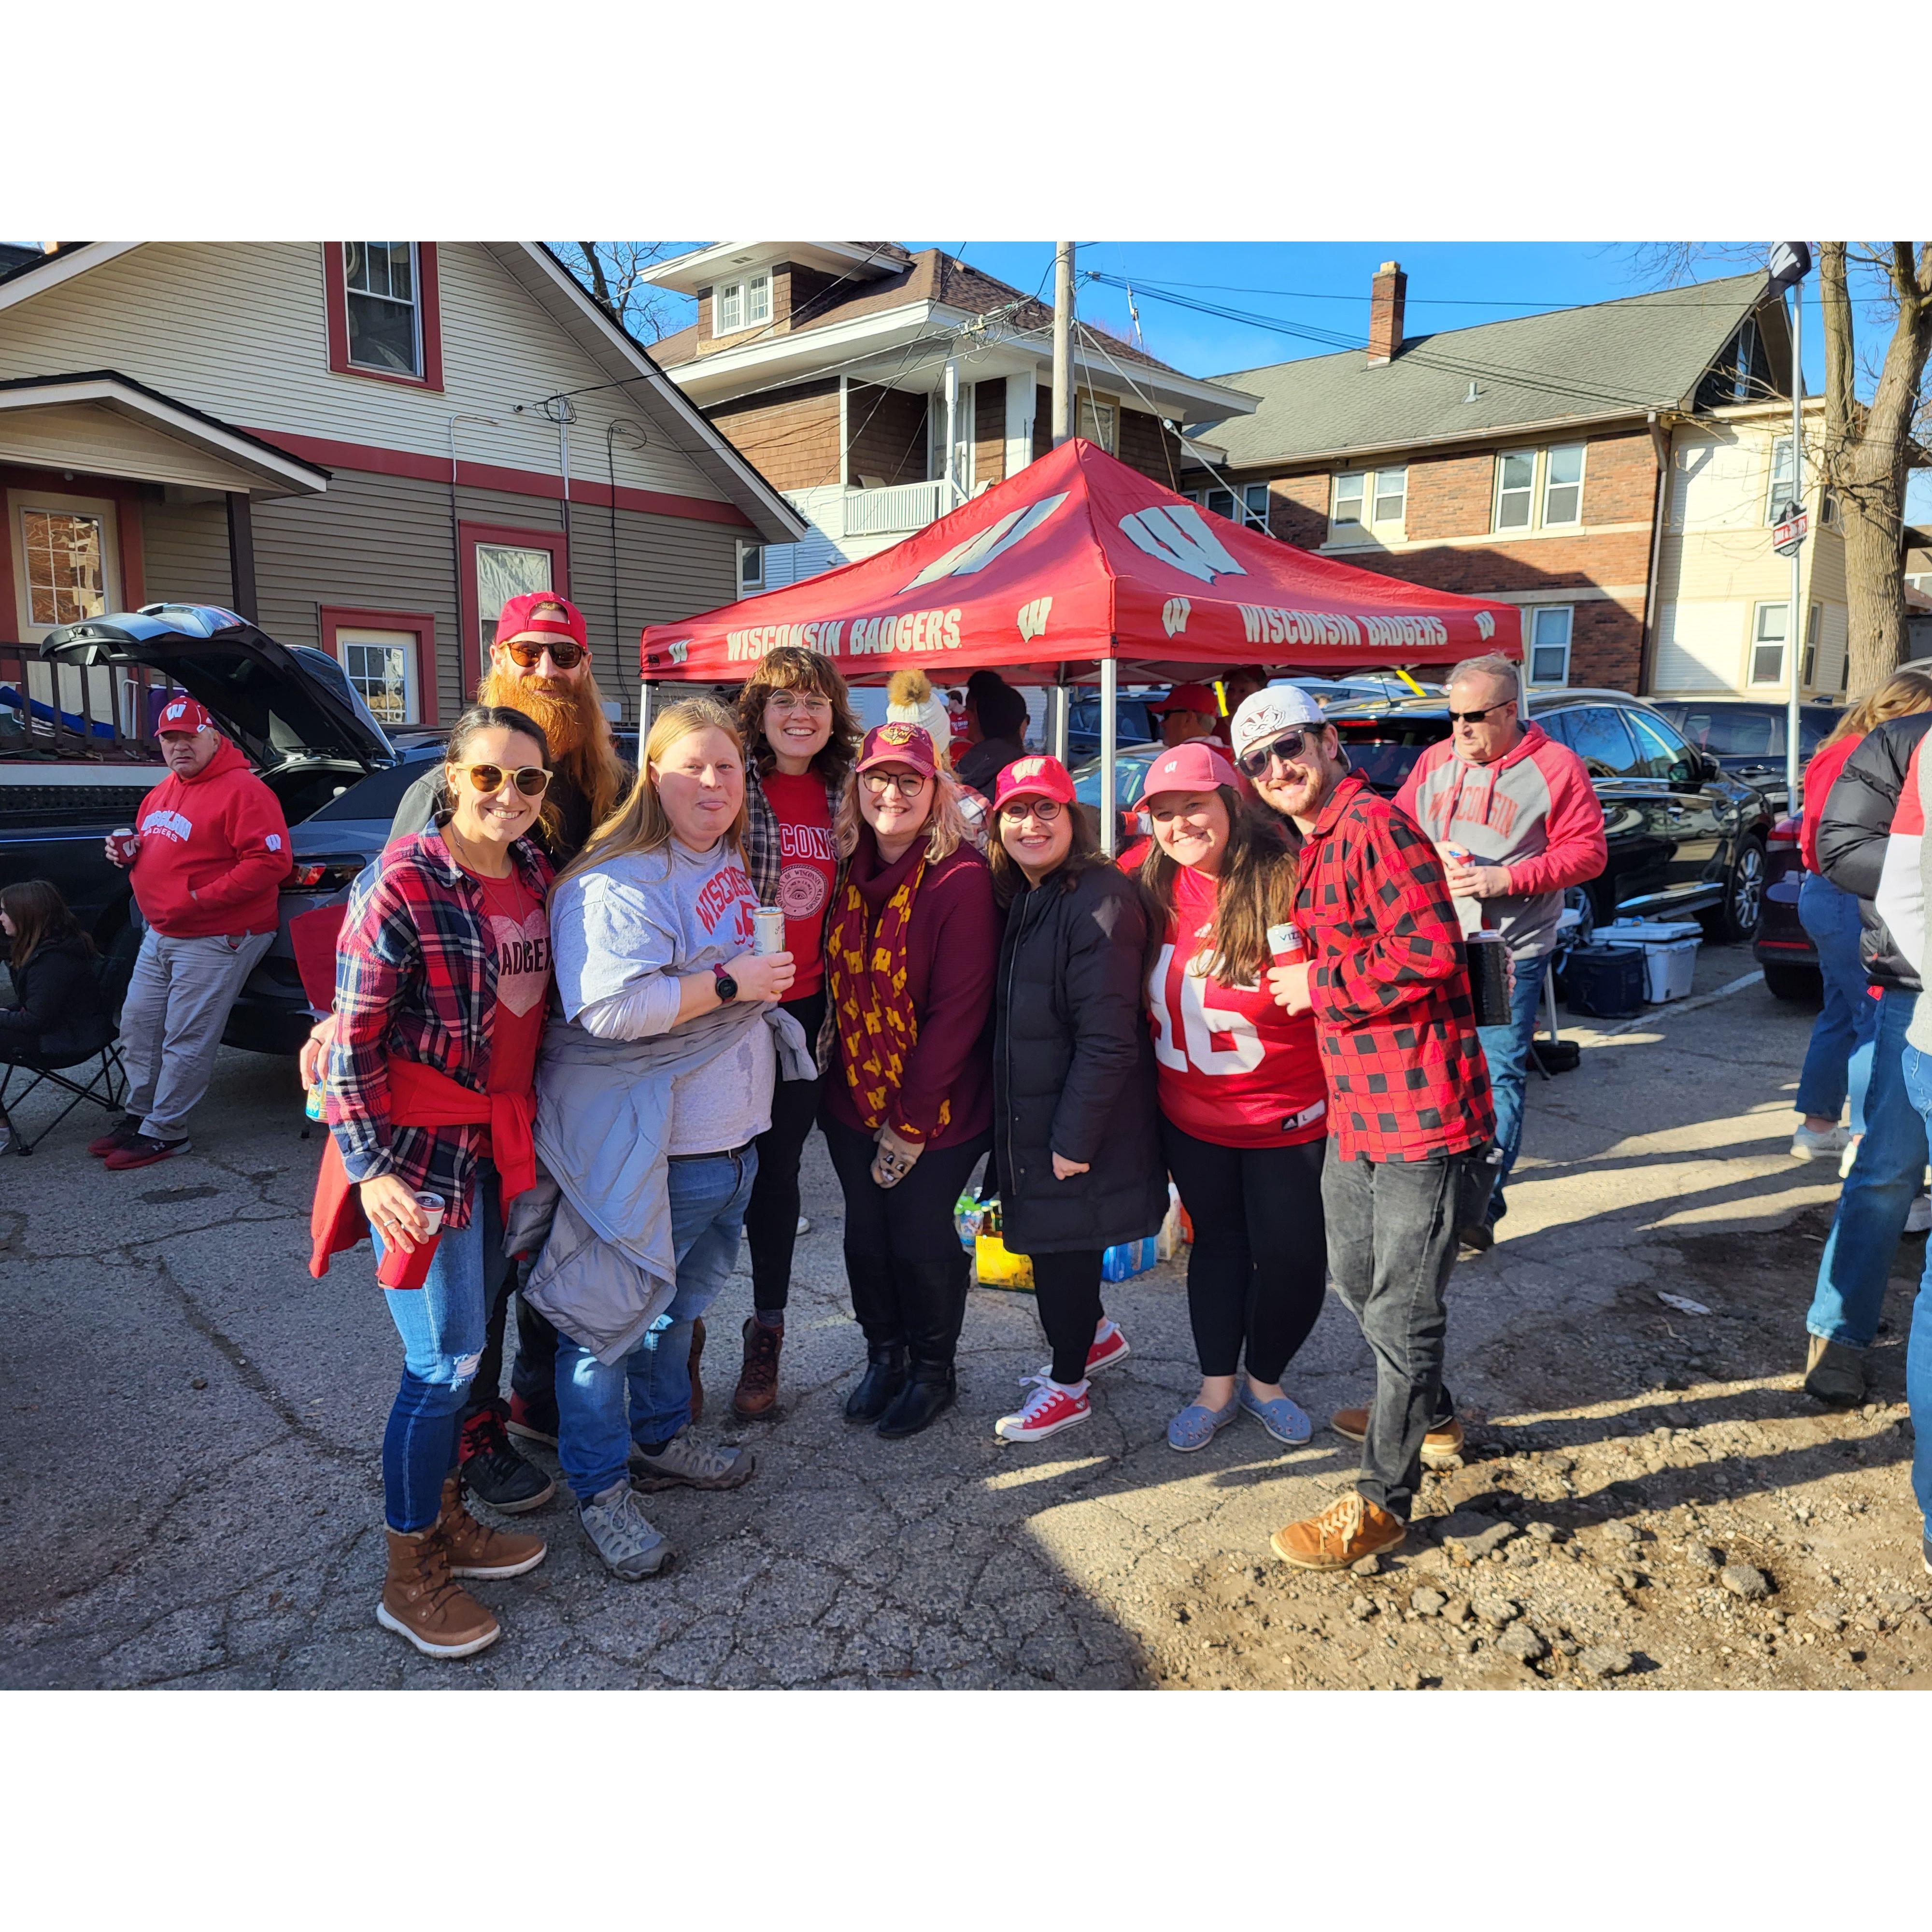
[1059, 714]
[1109, 686]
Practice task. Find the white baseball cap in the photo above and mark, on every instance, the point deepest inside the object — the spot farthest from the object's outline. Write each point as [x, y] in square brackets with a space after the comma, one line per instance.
[1267, 712]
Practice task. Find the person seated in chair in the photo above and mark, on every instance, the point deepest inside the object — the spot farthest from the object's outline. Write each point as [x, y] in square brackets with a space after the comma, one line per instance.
[62, 1016]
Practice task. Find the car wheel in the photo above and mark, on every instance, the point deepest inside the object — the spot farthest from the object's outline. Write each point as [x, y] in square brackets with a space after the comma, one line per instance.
[1794, 983]
[1736, 918]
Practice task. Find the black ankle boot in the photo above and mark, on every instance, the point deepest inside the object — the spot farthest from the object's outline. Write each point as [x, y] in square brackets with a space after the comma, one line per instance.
[920, 1404]
[884, 1378]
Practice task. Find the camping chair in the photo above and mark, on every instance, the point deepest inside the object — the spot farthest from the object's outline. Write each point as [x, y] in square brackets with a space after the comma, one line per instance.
[106, 1085]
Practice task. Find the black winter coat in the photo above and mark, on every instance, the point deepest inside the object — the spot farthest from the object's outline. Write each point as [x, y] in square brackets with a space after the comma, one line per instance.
[1073, 1069]
[1851, 834]
[61, 1011]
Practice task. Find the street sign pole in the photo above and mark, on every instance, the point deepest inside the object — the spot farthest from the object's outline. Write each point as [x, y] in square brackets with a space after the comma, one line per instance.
[1795, 628]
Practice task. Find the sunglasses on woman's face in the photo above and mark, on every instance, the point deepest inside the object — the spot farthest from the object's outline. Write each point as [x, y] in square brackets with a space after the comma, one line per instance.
[564, 653]
[531, 780]
[907, 784]
[1046, 810]
[1290, 746]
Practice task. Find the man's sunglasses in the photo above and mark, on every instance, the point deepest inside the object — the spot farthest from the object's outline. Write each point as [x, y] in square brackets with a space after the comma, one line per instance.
[1046, 810]
[564, 652]
[532, 781]
[1290, 745]
[1477, 717]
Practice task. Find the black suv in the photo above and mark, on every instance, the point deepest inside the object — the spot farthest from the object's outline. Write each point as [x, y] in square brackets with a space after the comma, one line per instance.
[1746, 735]
[1684, 836]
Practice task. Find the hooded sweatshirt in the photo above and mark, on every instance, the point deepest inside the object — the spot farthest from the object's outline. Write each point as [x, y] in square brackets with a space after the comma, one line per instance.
[214, 850]
[1533, 811]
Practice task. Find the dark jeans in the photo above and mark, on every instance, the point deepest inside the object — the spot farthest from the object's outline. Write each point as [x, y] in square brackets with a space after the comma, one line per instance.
[771, 1222]
[1391, 1244]
[1256, 1273]
[1067, 1297]
[533, 1373]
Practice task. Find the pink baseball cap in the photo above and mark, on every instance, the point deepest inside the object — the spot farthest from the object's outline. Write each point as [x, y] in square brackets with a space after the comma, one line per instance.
[183, 714]
[1036, 777]
[1195, 766]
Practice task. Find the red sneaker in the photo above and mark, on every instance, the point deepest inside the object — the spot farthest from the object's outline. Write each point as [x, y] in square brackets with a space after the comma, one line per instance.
[143, 1150]
[1108, 1346]
[115, 1139]
[1049, 1410]
[524, 1421]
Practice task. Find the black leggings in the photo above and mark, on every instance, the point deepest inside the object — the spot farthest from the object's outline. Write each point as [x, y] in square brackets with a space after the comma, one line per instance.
[1067, 1297]
[771, 1216]
[1256, 1274]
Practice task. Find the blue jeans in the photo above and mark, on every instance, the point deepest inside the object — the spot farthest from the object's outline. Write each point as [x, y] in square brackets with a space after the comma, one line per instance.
[442, 1324]
[1507, 1050]
[707, 1215]
[1838, 1060]
[1883, 1182]
[1919, 1348]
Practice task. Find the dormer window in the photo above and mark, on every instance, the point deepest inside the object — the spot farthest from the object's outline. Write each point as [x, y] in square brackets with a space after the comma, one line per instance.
[745, 303]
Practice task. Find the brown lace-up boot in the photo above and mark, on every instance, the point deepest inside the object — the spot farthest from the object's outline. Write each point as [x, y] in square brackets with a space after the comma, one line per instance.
[421, 1601]
[756, 1394]
[474, 1549]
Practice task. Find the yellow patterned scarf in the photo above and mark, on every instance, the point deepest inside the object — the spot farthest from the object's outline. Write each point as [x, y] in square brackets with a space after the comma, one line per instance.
[877, 1028]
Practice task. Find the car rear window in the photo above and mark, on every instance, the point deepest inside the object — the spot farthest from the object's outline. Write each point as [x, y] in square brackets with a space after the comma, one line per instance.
[1385, 750]
[379, 795]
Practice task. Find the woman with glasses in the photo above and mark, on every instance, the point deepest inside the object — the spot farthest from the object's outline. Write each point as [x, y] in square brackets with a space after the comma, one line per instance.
[911, 944]
[1076, 1148]
[442, 987]
[1243, 1102]
[795, 717]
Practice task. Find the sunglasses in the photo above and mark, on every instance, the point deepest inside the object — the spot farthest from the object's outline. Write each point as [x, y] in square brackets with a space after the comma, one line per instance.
[907, 784]
[1477, 717]
[532, 781]
[564, 652]
[1046, 810]
[1290, 745]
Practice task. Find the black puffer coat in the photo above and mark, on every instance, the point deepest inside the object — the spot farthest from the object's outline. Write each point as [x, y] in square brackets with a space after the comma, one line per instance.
[1073, 1069]
[1853, 830]
[62, 1014]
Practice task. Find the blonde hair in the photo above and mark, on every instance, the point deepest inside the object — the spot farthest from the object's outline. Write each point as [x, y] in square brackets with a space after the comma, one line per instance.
[1901, 694]
[946, 828]
[641, 824]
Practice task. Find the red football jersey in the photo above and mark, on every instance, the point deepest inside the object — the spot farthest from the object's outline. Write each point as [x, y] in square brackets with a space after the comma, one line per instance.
[1234, 1068]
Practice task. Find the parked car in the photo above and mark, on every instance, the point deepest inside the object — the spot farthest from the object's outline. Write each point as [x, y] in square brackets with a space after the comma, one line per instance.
[1133, 723]
[1328, 692]
[1787, 953]
[1684, 837]
[1746, 735]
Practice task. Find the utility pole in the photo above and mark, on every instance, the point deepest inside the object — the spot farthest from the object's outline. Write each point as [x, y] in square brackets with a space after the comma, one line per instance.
[1790, 262]
[1063, 342]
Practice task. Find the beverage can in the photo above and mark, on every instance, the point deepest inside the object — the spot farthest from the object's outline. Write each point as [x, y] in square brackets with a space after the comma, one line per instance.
[312, 1102]
[432, 1206]
[1285, 944]
[768, 930]
[126, 843]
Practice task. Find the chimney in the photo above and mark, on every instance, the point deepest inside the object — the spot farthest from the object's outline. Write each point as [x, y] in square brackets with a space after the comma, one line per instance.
[1386, 293]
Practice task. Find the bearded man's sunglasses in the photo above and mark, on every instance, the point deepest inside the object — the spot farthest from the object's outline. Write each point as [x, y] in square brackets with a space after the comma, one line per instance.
[564, 652]
[1289, 747]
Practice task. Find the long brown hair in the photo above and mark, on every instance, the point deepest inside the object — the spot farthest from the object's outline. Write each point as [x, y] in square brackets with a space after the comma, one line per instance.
[41, 916]
[1084, 855]
[1257, 885]
[1902, 695]
[793, 667]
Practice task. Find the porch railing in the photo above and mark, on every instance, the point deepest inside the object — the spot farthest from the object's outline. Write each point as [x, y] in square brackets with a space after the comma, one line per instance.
[898, 507]
[94, 714]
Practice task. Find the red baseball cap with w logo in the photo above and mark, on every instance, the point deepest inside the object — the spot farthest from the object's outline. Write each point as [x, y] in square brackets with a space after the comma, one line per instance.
[182, 714]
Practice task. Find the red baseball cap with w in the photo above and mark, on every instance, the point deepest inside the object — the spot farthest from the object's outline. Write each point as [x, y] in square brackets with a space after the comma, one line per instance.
[182, 713]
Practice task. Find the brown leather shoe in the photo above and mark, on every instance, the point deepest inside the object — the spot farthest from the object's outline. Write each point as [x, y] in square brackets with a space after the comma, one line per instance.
[756, 1394]
[421, 1601]
[1349, 1528]
[696, 1381]
[1441, 1447]
[474, 1549]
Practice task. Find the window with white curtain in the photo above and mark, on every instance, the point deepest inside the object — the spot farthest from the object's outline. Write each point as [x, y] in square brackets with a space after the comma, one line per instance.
[1769, 630]
[1346, 512]
[1516, 488]
[1550, 629]
[1563, 484]
[1390, 495]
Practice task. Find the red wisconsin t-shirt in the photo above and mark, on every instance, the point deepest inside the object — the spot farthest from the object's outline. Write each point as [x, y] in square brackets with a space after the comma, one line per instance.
[1233, 1068]
[519, 927]
[806, 870]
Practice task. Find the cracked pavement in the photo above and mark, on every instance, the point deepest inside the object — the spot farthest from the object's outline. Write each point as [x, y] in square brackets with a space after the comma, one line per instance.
[190, 1425]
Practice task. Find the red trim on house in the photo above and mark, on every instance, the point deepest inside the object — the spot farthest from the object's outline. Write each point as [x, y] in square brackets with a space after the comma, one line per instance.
[380, 462]
[468, 648]
[429, 311]
[123, 495]
[340, 617]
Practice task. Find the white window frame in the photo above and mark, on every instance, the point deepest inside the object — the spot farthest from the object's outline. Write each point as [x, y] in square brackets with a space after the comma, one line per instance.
[1377, 491]
[1814, 629]
[103, 509]
[376, 637]
[1527, 491]
[414, 305]
[1536, 613]
[1360, 499]
[1545, 520]
[1777, 495]
[1758, 641]
[751, 299]
[750, 568]
[1251, 501]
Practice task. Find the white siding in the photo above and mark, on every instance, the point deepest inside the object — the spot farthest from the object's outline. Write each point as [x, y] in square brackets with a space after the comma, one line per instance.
[1700, 647]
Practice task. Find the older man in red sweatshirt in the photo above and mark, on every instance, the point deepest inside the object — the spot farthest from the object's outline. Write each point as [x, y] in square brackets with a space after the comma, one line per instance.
[1516, 821]
[211, 850]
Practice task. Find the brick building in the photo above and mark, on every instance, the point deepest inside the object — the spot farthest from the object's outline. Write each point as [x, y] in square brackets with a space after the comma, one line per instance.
[1567, 463]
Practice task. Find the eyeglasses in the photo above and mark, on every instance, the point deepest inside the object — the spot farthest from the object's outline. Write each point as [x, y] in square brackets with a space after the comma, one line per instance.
[1289, 746]
[1477, 717]
[1046, 810]
[907, 784]
[785, 704]
[564, 653]
[532, 781]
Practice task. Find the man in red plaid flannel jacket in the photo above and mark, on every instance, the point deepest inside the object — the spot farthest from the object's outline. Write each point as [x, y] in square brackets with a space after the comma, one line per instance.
[1409, 1110]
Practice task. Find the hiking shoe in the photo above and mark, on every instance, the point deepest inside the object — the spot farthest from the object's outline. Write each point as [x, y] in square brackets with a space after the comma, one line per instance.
[1442, 1447]
[1108, 1346]
[531, 1427]
[1834, 1373]
[491, 1469]
[620, 1533]
[683, 1463]
[1049, 1409]
[1349, 1528]
[1815, 1144]
[116, 1138]
[143, 1150]
[422, 1601]
[756, 1394]
[474, 1549]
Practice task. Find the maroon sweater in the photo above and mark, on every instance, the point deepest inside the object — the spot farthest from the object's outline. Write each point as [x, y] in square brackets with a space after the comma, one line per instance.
[952, 951]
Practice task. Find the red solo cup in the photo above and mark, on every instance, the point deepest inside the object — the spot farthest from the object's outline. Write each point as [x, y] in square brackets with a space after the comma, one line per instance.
[124, 842]
[410, 1269]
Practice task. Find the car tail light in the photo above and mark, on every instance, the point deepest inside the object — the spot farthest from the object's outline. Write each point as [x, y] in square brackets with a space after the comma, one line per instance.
[321, 875]
[304, 878]
[1783, 836]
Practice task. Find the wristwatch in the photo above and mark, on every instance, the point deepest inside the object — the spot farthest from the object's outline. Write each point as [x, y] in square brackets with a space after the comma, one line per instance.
[728, 987]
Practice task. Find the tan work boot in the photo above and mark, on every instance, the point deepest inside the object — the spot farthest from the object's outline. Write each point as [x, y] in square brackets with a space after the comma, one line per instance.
[474, 1549]
[756, 1394]
[422, 1601]
[1834, 1372]
[1349, 1528]
[1441, 1447]
[696, 1381]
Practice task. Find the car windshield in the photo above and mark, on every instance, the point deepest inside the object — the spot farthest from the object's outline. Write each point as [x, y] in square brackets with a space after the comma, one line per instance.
[1385, 750]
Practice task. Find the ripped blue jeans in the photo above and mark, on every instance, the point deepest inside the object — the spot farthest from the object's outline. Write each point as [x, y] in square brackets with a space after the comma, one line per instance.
[443, 1324]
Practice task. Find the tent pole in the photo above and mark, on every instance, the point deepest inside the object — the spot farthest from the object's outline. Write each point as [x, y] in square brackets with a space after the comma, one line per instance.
[1057, 715]
[1109, 687]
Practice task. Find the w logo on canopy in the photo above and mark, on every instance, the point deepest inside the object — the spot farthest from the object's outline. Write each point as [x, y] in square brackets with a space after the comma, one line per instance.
[1033, 618]
[995, 540]
[1486, 626]
[1174, 533]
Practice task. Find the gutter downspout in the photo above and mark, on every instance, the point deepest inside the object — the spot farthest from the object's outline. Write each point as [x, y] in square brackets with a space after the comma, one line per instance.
[1659, 443]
